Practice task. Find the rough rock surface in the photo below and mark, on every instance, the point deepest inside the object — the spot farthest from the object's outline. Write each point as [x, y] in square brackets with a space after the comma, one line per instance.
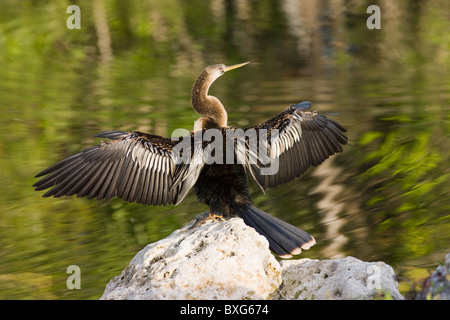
[215, 260]
[229, 260]
[340, 279]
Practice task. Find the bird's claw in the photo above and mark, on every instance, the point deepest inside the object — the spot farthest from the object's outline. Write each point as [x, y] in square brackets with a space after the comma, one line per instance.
[206, 216]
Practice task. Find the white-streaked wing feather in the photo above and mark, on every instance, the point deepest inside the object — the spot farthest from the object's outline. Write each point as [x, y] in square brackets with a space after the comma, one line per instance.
[132, 165]
[305, 138]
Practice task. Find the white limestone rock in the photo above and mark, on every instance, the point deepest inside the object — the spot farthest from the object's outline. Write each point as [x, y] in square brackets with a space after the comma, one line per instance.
[230, 260]
[215, 260]
[340, 279]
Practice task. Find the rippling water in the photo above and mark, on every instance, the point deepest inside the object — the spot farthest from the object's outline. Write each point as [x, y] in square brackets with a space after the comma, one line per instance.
[386, 197]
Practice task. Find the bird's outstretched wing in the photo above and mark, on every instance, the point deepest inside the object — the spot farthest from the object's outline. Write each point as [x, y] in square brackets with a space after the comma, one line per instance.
[133, 166]
[305, 138]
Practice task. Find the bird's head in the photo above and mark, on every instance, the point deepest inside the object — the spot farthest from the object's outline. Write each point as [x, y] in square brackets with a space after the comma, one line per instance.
[216, 70]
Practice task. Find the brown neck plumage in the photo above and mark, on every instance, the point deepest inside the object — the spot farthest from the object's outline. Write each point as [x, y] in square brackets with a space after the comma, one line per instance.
[206, 105]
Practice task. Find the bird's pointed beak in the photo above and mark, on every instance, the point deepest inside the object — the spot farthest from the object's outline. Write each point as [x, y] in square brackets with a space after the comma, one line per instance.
[235, 66]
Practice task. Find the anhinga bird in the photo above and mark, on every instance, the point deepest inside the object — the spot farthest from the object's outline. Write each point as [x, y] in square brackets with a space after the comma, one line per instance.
[136, 166]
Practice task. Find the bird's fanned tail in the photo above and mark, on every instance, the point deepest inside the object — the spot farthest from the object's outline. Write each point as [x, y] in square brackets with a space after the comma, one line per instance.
[284, 239]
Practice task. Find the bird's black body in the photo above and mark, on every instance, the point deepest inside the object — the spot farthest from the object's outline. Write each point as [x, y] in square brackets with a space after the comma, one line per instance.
[225, 201]
[144, 168]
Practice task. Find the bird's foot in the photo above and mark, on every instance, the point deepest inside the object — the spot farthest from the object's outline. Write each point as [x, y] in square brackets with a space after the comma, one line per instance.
[206, 216]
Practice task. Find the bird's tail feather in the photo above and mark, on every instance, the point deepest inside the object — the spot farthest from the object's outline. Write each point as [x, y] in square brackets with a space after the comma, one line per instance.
[284, 239]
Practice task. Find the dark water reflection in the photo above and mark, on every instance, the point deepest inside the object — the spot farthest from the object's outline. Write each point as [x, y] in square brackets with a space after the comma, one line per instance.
[386, 197]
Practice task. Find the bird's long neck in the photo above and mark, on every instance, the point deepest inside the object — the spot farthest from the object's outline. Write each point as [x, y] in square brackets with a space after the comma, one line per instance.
[206, 105]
